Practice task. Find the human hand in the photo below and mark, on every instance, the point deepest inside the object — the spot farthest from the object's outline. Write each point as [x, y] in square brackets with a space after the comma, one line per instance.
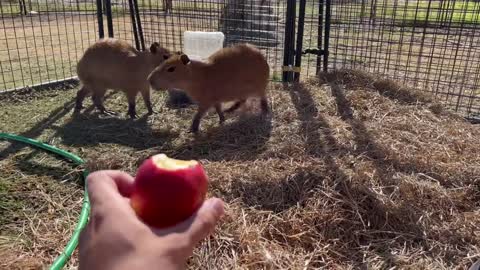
[115, 238]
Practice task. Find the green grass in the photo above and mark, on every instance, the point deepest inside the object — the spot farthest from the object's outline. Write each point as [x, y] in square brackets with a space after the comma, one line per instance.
[23, 75]
[435, 12]
[276, 76]
[9, 204]
[419, 12]
[409, 13]
[13, 8]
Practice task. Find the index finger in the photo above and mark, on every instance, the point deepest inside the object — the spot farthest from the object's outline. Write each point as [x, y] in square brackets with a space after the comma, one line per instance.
[109, 186]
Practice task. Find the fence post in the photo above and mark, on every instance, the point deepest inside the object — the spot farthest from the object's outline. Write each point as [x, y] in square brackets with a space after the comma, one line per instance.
[289, 44]
[134, 23]
[321, 5]
[299, 47]
[139, 25]
[327, 34]
[101, 32]
[108, 4]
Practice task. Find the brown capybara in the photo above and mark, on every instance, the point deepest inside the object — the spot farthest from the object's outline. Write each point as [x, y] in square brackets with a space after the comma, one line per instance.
[115, 64]
[230, 74]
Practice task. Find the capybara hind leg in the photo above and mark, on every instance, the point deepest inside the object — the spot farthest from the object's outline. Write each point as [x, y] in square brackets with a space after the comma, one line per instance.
[198, 117]
[264, 105]
[147, 101]
[97, 99]
[218, 108]
[235, 106]
[81, 94]
[131, 105]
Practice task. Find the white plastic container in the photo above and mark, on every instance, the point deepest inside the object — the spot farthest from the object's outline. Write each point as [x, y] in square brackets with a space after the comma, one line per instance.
[200, 45]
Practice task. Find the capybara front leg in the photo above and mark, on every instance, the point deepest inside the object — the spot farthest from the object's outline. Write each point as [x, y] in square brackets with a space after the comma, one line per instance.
[264, 105]
[131, 105]
[197, 118]
[147, 100]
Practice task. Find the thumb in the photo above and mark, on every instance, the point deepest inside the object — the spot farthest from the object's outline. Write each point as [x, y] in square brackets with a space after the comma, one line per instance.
[205, 220]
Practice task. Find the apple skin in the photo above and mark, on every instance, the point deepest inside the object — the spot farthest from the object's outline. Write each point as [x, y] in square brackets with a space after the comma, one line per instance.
[164, 197]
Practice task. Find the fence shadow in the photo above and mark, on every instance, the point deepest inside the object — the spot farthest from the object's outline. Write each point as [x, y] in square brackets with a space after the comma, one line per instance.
[276, 196]
[382, 157]
[397, 222]
[84, 131]
[39, 127]
[241, 139]
[363, 217]
[47, 122]
[356, 198]
[28, 165]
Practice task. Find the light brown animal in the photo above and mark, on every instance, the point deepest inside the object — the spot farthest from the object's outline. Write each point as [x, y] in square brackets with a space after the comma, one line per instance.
[231, 74]
[115, 64]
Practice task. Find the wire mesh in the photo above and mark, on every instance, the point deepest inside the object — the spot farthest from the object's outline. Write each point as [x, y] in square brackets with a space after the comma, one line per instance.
[40, 41]
[260, 22]
[428, 44]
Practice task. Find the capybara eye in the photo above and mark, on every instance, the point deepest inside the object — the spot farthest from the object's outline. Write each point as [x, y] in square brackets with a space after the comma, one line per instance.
[165, 56]
[171, 69]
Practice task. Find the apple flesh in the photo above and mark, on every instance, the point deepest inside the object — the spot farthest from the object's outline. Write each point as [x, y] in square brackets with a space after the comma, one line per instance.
[167, 191]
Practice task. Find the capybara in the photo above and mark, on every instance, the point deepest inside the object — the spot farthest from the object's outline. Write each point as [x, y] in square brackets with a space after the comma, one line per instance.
[230, 74]
[114, 64]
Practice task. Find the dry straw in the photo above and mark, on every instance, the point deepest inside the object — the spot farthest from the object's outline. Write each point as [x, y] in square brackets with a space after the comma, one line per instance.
[351, 171]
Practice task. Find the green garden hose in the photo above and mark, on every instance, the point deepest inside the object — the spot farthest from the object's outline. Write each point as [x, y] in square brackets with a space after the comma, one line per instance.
[62, 259]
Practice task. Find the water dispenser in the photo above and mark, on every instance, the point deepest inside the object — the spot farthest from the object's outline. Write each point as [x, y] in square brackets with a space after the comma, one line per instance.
[200, 45]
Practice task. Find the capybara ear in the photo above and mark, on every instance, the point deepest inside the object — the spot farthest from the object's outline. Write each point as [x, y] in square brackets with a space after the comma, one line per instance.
[154, 47]
[185, 59]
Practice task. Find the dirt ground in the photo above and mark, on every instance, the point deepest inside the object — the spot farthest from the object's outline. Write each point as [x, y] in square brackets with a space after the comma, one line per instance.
[350, 171]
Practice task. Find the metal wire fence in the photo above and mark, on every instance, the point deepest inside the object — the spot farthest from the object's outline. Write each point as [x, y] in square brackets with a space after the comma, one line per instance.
[429, 44]
[40, 41]
[261, 22]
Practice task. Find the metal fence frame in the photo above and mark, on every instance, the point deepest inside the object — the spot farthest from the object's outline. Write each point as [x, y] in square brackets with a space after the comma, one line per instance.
[429, 44]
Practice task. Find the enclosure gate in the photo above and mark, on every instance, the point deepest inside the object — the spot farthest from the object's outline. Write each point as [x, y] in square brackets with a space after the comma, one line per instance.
[431, 45]
[293, 28]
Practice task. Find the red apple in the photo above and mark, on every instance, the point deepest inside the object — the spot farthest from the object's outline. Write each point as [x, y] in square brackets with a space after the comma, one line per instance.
[167, 191]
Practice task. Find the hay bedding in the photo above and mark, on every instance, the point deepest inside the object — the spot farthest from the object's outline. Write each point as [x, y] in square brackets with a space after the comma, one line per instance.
[359, 172]
[352, 171]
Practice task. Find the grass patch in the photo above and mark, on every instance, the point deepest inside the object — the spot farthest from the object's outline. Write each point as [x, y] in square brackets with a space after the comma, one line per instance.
[9, 204]
[405, 13]
[30, 187]
[13, 7]
[351, 171]
[429, 12]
